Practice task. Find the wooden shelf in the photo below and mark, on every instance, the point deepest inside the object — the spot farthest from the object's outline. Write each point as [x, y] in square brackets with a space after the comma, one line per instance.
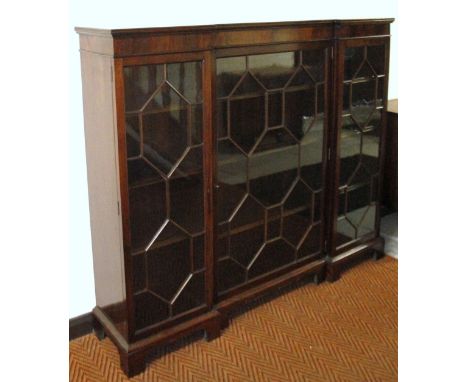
[168, 109]
[178, 174]
[263, 93]
[246, 227]
[361, 80]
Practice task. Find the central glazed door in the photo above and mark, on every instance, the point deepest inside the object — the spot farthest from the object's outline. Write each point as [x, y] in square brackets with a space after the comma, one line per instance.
[271, 124]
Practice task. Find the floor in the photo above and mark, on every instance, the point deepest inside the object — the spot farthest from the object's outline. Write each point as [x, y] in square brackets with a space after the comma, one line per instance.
[389, 231]
[342, 331]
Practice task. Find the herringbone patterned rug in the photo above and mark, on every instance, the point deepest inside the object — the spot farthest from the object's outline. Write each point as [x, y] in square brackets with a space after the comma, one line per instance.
[345, 331]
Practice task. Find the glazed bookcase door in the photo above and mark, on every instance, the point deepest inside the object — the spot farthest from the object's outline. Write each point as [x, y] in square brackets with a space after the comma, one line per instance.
[270, 125]
[363, 96]
[165, 172]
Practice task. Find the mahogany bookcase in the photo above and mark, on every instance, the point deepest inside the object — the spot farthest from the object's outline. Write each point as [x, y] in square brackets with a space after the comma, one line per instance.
[225, 161]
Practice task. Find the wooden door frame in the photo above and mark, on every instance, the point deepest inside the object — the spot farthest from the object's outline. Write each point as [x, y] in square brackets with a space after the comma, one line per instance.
[266, 279]
[119, 65]
[371, 240]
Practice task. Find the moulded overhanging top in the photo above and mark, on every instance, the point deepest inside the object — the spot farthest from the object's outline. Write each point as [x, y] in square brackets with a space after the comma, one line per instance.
[120, 43]
[201, 28]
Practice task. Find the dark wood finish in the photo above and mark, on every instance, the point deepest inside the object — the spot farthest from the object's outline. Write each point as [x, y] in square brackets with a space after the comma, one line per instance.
[133, 363]
[337, 67]
[143, 41]
[132, 355]
[248, 131]
[383, 144]
[208, 160]
[390, 172]
[152, 122]
[139, 331]
[80, 326]
[356, 29]
[124, 199]
[342, 249]
[213, 329]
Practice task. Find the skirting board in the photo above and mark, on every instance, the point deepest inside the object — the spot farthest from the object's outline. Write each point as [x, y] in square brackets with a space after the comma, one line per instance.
[80, 326]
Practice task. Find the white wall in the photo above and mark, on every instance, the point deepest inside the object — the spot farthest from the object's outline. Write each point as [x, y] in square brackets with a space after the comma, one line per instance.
[150, 13]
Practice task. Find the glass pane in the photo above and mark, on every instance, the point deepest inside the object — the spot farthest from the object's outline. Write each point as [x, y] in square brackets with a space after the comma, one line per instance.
[314, 62]
[198, 252]
[228, 71]
[164, 124]
[197, 124]
[275, 109]
[300, 111]
[140, 83]
[168, 255]
[363, 101]
[245, 244]
[274, 222]
[186, 78]
[138, 268]
[298, 215]
[147, 212]
[149, 309]
[132, 128]
[360, 141]
[312, 143]
[274, 255]
[246, 113]
[270, 128]
[310, 244]
[192, 294]
[353, 60]
[273, 167]
[186, 192]
[375, 56]
[232, 178]
[230, 274]
[274, 69]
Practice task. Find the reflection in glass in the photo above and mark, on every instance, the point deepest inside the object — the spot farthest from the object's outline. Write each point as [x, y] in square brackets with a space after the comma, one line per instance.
[270, 128]
[132, 128]
[245, 243]
[185, 77]
[375, 56]
[300, 104]
[165, 125]
[232, 178]
[274, 69]
[275, 109]
[188, 180]
[228, 71]
[360, 142]
[164, 119]
[140, 82]
[148, 210]
[273, 166]
[314, 62]
[246, 119]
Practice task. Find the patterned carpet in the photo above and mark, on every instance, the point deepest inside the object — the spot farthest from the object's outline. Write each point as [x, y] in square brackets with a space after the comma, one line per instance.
[345, 331]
